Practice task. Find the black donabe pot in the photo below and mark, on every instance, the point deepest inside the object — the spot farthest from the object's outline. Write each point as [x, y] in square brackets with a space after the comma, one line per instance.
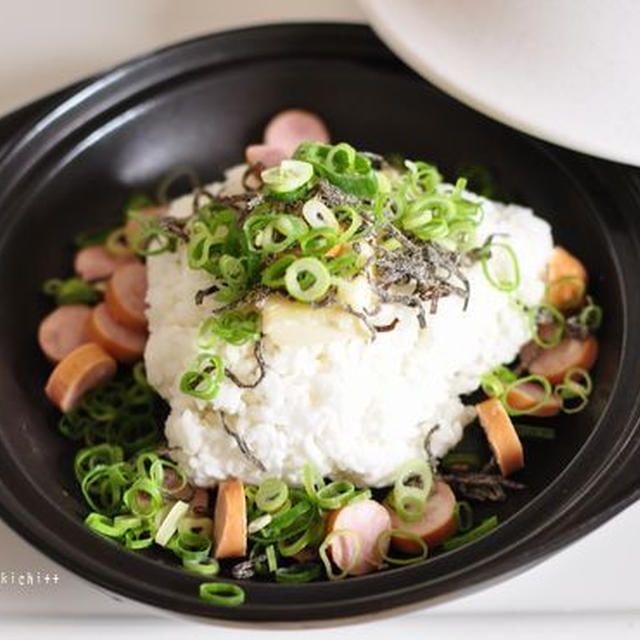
[199, 103]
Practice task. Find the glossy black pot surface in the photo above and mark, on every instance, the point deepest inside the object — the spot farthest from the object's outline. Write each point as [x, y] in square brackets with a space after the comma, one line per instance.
[70, 162]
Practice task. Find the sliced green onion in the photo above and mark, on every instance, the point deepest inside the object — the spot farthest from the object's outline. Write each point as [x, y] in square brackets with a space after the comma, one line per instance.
[307, 279]
[126, 522]
[346, 265]
[335, 494]
[289, 176]
[288, 548]
[157, 475]
[190, 546]
[116, 243]
[509, 282]
[342, 165]
[273, 275]
[464, 516]
[138, 538]
[317, 242]
[272, 494]
[150, 504]
[558, 325]
[300, 572]
[71, 291]
[103, 525]
[318, 215]
[328, 541]
[574, 397]
[349, 217]
[359, 496]
[481, 530]
[103, 487]
[222, 594]
[411, 489]
[90, 457]
[536, 379]
[202, 526]
[312, 481]
[234, 327]
[203, 380]
[169, 524]
[259, 523]
[493, 383]
[591, 317]
[584, 379]
[272, 560]
[204, 566]
[383, 545]
[535, 432]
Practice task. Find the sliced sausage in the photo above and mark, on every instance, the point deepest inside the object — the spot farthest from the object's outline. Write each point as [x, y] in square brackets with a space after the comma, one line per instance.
[125, 295]
[367, 520]
[528, 394]
[199, 505]
[502, 436]
[566, 278]
[230, 520]
[289, 128]
[264, 154]
[123, 343]
[96, 263]
[63, 330]
[438, 522]
[554, 363]
[84, 368]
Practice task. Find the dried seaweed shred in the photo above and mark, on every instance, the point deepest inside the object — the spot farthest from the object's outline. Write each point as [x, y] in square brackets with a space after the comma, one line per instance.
[242, 445]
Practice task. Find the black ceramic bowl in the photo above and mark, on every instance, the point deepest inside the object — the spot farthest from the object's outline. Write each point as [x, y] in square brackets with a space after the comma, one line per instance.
[200, 103]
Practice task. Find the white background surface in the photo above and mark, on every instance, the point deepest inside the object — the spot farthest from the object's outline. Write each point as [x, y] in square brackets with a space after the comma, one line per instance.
[584, 592]
[563, 70]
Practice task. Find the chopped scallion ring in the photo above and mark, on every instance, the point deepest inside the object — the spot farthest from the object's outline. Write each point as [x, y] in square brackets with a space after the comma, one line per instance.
[203, 567]
[272, 494]
[464, 516]
[223, 594]
[103, 525]
[335, 494]
[383, 545]
[553, 320]
[505, 276]
[591, 317]
[313, 481]
[318, 215]
[203, 380]
[299, 572]
[411, 489]
[143, 498]
[307, 279]
[326, 544]
[536, 379]
[289, 176]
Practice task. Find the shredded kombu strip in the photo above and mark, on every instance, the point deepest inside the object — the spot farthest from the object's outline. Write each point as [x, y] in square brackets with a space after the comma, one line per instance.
[242, 445]
[486, 485]
[257, 353]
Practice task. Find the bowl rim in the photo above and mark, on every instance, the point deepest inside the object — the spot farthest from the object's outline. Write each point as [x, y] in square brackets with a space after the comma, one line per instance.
[99, 95]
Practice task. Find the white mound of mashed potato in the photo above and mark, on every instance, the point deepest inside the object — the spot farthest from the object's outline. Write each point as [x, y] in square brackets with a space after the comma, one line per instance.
[354, 408]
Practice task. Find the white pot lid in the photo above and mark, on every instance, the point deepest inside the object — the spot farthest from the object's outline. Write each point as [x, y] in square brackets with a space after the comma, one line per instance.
[567, 71]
